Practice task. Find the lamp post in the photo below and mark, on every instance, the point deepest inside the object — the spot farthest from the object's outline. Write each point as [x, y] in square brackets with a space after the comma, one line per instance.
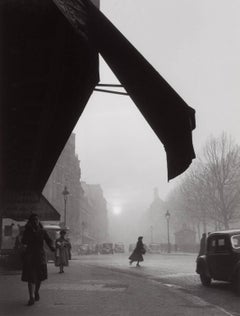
[167, 215]
[65, 193]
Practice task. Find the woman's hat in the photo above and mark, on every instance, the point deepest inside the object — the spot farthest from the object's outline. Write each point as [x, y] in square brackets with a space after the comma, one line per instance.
[140, 237]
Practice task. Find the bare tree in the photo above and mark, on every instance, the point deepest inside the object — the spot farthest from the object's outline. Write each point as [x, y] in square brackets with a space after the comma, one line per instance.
[221, 178]
[188, 204]
[210, 191]
[193, 192]
[177, 207]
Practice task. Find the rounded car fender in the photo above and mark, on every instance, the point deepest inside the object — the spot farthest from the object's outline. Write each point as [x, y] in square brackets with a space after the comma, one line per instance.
[202, 265]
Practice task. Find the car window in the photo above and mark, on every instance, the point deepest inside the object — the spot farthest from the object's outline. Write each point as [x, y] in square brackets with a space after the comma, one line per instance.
[212, 245]
[218, 244]
[235, 241]
[222, 247]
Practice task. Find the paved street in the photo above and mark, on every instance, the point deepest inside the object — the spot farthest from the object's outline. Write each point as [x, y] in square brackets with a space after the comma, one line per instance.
[106, 285]
[175, 270]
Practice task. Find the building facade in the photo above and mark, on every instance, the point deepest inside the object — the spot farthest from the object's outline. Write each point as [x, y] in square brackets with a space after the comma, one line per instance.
[85, 212]
[155, 221]
[185, 240]
[96, 225]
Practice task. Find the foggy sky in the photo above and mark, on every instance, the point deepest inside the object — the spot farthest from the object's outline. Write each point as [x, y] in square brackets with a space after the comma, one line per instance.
[195, 46]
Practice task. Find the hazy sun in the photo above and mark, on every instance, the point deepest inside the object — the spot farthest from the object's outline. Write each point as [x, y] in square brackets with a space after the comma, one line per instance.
[117, 210]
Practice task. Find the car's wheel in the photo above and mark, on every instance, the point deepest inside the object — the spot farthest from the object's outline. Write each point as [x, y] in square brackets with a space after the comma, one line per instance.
[206, 280]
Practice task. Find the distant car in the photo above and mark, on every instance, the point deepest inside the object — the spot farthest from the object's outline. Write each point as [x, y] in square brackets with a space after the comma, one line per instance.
[83, 249]
[154, 248]
[106, 248]
[222, 259]
[93, 249]
[119, 247]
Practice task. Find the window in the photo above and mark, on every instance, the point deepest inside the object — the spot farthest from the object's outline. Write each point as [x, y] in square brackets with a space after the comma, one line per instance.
[218, 244]
[8, 230]
[221, 245]
[212, 245]
[221, 242]
[235, 241]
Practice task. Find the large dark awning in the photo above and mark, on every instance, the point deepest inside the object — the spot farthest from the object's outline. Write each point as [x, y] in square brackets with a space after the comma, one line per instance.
[48, 72]
[19, 206]
[167, 113]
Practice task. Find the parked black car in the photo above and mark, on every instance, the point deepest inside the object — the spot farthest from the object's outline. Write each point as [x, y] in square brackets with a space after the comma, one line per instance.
[222, 259]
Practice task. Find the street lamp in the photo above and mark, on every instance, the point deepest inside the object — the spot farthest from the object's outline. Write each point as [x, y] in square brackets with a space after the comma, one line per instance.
[65, 193]
[167, 215]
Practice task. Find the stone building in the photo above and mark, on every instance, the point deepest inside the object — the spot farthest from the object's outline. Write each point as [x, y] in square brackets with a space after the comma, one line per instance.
[95, 225]
[185, 239]
[66, 173]
[154, 220]
[85, 211]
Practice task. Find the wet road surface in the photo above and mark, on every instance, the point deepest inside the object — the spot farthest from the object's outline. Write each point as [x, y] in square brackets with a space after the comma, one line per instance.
[175, 270]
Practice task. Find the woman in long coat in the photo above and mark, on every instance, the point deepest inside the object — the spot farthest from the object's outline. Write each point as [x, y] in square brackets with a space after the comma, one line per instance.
[34, 258]
[63, 247]
[137, 254]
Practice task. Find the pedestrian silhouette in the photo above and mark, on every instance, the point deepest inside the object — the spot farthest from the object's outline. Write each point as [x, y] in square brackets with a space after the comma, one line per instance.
[137, 254]
[63, 247]
[202, 249]
[34, 269]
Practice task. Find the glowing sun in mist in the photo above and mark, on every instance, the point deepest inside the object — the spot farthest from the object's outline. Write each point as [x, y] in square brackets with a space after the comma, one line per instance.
[117, 210]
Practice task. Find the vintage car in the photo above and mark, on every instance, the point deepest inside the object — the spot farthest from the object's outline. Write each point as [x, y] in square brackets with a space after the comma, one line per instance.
[106, 248]
[221, 260]
[119, 247]
[154, 248]
[83, 249]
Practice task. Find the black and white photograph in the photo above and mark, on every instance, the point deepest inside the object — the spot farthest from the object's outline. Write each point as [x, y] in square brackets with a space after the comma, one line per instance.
[119, 157]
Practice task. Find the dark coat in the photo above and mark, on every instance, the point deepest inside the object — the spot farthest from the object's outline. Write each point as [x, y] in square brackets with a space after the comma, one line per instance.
[138, 252]
[202, 249]
[62, 252]
[34, 258]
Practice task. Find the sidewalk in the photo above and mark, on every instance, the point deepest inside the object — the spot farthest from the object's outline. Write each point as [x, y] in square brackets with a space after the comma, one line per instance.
[87, 290]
